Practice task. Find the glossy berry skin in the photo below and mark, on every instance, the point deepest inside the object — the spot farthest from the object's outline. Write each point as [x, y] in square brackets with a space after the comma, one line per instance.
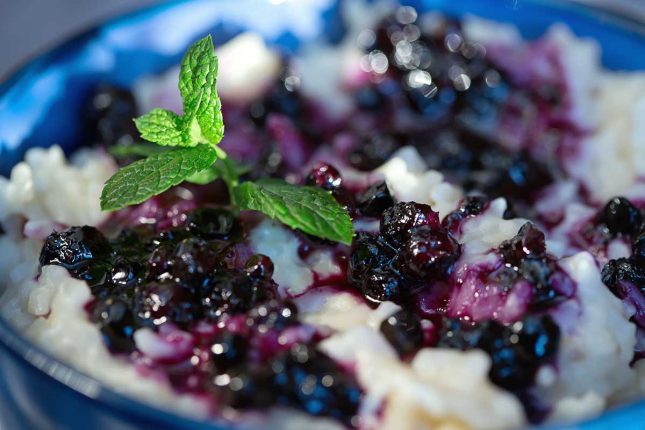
[529, 242]
[368, 253]
[80, 250]
[429, 252]
[372, 271]
[259, 266]
[324, 176]
[382, 285]
[398, 221]
[309, 380]
[74, 247]
[374, 200]
[624, 269]
[622, 217]
[116, 322]
[516, 351]
[403, 331]
[525, 257]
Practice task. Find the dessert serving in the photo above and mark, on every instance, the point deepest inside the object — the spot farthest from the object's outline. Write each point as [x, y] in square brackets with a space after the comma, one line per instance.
[431, 223]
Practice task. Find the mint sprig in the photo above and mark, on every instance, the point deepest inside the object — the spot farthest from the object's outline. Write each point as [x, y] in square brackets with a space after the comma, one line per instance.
[187, 151]
[145, 178]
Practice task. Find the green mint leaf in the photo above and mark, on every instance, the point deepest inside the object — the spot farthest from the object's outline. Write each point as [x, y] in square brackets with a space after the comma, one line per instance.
[143, 179]
[203, 177]
[137, 150]
[162, 127]
[202, 120]
[309, 209]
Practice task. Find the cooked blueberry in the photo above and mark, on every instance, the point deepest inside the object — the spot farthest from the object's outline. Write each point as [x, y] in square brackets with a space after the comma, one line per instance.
[529, 241]
[311, 381]
[368, 253]
[403, 330]
[509, 212]
[194, 259]
[540, 337]
[110, 114]
[116, 322]
[622, 217]
[83, 251]
[374, 200]
[235, 292]
[228, 350]
[75, 246]
[471, 205]
[516, 351]
[398, 220]
[259, 266]
[429, 252]
[382, 285]
[213, 223]
[325, 176]
[159, 262]
[124, 274]
[521, 178]
[539, 272]
[508, 369]
[624, 269]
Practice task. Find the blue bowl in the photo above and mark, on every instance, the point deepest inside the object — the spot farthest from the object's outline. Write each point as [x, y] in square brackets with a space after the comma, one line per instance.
[41, 104]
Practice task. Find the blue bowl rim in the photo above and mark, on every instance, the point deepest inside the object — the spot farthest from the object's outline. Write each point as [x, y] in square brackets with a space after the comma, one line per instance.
[95, 390]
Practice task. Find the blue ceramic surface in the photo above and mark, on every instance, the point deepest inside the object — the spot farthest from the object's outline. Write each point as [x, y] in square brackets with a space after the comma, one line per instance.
[41, 105]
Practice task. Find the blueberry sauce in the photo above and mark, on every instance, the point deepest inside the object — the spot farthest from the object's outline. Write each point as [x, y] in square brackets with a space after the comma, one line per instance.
[183, 280]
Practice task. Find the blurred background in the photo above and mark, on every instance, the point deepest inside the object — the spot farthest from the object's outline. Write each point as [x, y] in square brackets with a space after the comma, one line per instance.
[28, 27]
